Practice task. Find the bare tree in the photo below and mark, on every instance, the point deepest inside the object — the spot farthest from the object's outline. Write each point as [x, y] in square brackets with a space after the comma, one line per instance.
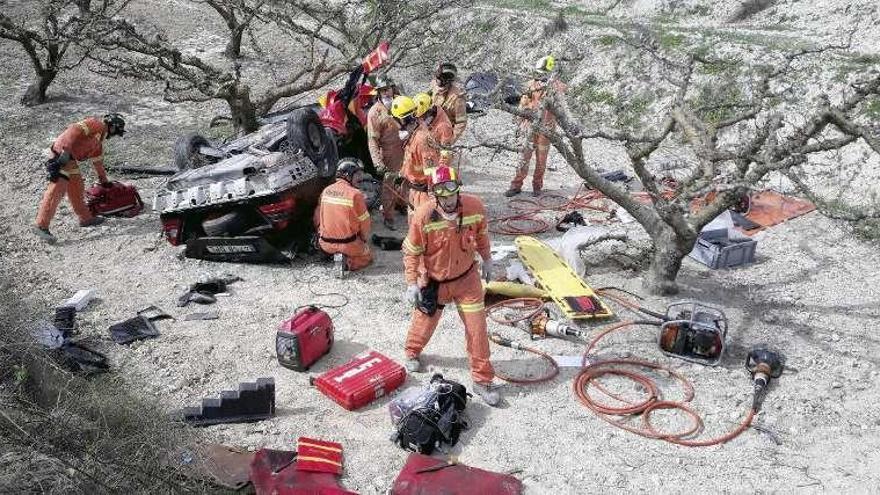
[734, 123]
[328, 39]
[46, 30]
[238, 16]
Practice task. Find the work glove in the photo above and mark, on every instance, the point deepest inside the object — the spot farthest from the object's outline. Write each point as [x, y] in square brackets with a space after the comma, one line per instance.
[487, 269]
[413, 295]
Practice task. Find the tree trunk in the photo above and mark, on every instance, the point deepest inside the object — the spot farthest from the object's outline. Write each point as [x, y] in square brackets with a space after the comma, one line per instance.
[233, 48]
[242, 109]
[36, 92]
[669, 251]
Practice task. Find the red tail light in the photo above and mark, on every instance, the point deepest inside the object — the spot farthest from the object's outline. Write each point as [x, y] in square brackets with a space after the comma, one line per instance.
[172, 229]
[279, 212]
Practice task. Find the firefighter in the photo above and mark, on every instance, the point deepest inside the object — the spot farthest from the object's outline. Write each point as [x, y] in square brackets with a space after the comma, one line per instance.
[342, 219]
[537, 143]
[81, 141]
[435, 119]
[386, 147]
[440, 268]
[451, 98]
[426, 134]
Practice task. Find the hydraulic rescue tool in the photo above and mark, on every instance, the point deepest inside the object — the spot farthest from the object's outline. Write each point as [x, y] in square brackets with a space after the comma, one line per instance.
[763, 363]
[694, 332]
[541, 325]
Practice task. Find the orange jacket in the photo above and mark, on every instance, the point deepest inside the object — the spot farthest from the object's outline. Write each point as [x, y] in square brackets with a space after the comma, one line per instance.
[454, 102]
[442, 130]
[386, 148]
[342, 214]
[84, 140]
[423, 148]
[447, 247]
[535, 92]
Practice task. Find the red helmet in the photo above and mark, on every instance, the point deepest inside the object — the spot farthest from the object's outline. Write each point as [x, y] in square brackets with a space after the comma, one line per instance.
[443, 180]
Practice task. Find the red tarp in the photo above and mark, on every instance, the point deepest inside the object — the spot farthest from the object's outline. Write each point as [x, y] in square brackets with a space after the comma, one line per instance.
[452, 480]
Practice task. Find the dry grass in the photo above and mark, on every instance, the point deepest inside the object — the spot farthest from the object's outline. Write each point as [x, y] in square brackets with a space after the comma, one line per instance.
[63, 433]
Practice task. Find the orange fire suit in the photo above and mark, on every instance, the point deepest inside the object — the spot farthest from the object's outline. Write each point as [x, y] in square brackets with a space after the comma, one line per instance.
[343, 224]
[454, 102]
[84, 140]
[537, 142]
[445, 250]
[386, 150]
[422, 152]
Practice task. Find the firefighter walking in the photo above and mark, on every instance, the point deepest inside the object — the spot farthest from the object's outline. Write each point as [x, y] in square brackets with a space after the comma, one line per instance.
[81, 141]
[536, 142]
[444, 236]
[342, 220]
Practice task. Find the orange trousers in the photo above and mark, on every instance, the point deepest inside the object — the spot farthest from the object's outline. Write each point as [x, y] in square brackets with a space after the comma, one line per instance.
[73, 188]
[467, 293]
[357, 252]
[541, 148]
[388, 198]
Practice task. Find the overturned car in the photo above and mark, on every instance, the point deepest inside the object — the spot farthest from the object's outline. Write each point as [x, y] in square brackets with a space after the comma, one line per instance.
[251, 199]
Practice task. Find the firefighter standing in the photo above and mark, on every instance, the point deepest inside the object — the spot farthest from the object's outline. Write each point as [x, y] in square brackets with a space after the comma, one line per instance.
[386, 147]
[431, 132]
[444, 236]
[536, 143]
[448, 96]
[343, 221]
[81, 141]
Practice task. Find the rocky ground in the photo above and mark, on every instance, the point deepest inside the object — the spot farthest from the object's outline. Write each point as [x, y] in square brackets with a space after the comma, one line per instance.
[813, 293]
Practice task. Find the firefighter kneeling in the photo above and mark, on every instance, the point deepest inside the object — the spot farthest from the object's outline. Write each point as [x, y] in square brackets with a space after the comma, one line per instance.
[444, 236]
[342, 219]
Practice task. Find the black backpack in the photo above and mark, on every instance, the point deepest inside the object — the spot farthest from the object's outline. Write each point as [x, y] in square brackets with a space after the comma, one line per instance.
[426, 428]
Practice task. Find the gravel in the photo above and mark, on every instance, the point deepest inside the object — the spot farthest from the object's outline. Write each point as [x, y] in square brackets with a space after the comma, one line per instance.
[814, 293]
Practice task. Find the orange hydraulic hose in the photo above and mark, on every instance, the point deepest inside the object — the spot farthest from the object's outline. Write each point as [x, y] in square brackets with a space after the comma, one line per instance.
[589, 375]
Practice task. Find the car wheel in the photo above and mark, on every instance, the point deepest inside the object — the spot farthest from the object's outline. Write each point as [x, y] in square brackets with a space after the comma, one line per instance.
[305, 132]
[229, 224]
[186, 151]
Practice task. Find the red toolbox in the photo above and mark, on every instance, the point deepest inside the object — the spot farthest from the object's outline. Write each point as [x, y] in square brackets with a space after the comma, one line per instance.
[362, 380]
[303, 338]
[116, 199]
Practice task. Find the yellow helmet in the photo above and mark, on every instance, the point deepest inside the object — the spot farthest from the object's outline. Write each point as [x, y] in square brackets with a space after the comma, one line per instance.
[403, 107]
[545, 64]
[423, 103]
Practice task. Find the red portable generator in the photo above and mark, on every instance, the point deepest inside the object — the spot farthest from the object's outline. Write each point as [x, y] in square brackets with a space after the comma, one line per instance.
[303, 338]
[362, 380]
[116, 199]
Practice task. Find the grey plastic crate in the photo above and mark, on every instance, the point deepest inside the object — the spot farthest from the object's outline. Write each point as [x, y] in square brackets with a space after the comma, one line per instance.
[717, 249]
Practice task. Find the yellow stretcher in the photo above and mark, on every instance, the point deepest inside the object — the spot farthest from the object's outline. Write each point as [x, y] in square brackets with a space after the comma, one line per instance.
[573, 296]
[514, 289]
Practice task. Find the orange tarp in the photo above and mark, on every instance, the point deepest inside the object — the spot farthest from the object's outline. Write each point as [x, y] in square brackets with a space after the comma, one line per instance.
[771, 208]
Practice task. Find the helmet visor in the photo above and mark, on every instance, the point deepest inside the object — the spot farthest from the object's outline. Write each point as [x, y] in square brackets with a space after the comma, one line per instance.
[447, 188]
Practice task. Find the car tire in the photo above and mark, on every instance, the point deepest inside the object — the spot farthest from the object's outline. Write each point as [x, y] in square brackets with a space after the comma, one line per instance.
[230, 224]
[186, 151]
[305, 132]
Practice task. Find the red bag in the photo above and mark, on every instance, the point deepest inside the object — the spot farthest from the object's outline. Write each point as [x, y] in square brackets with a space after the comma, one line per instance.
[362, 380]
[303, 338]
[423, 475]
[117, 199]
[318, 456]
[273, 473]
